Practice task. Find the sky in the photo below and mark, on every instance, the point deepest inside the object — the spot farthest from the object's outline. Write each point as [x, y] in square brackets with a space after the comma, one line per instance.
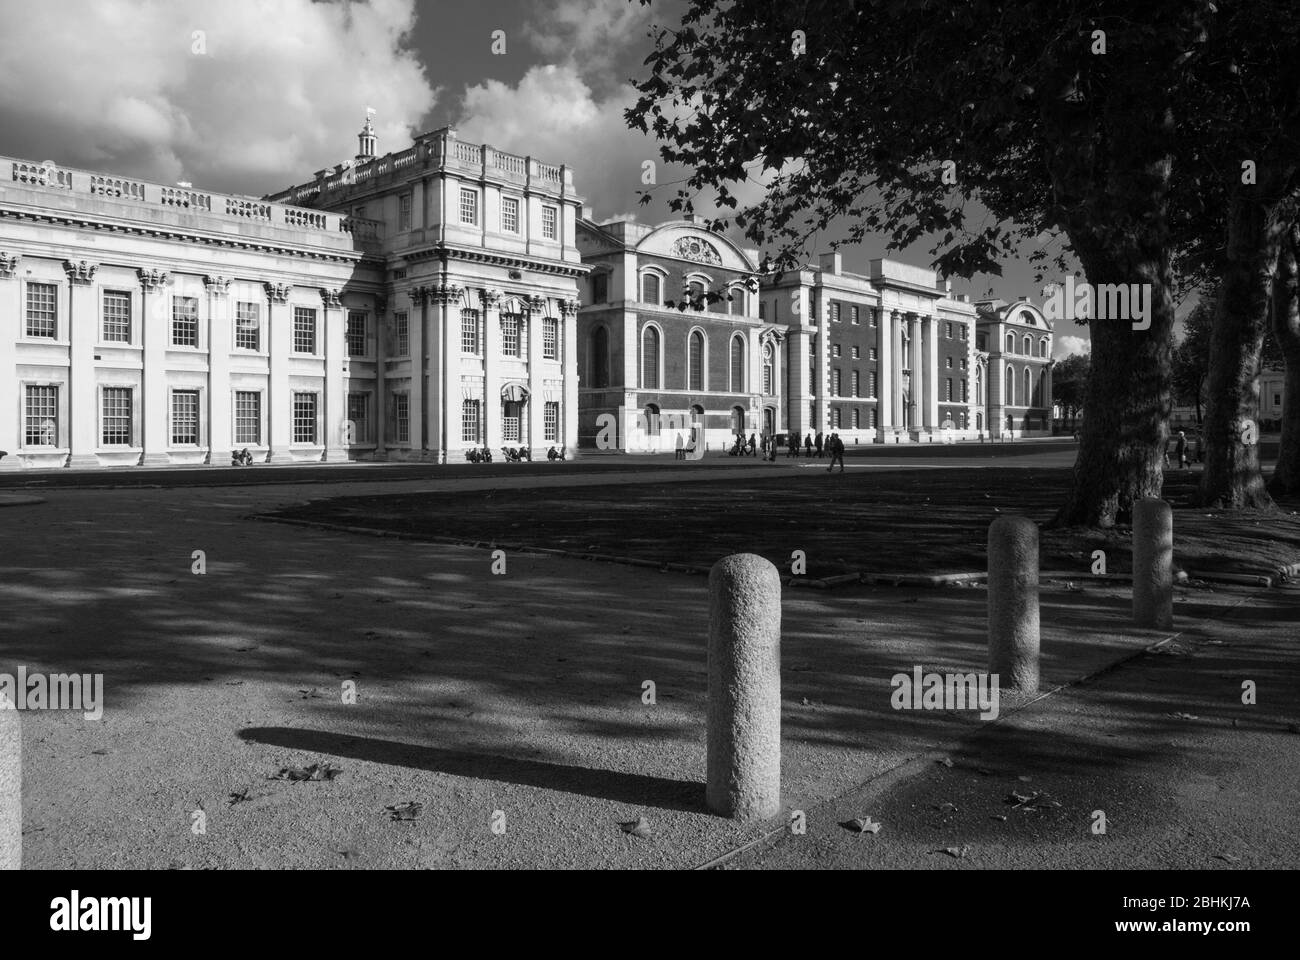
[250, 96]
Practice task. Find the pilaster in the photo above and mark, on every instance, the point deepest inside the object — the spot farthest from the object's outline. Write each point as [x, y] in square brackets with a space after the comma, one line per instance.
[156, 334]
[83, 320]
[220, 344]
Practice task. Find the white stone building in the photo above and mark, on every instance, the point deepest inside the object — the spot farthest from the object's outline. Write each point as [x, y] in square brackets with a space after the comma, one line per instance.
[405, 306]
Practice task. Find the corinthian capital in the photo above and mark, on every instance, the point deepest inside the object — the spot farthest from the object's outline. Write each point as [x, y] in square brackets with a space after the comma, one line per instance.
[331, 297]
[151, 280]
[8, 264]
[218, 286]
[489, 297]
[278, 292]
[81, 271]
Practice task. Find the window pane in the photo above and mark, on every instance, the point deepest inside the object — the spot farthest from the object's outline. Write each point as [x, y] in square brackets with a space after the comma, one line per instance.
[469, 331]
[41, 428]
[304, 418]
[356, 334]
[116, 427]
[248, 417]
[550, 339]
[185, 417]
[117, 317]
[304, 330]
[185, 322]
[248, 326]
[41, 310]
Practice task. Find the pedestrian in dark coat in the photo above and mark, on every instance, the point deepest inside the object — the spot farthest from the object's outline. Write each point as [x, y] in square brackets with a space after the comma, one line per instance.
[836, 446]
[820, 444]
[807, 446]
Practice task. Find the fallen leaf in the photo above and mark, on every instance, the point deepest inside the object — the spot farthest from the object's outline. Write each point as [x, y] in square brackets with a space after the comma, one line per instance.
[239, 797]
[945, 762]
[315, 772]
[406, 811]
[999, 816]
[958, 853]
[946, 807]
[640, 827]
[1184, 716]
[860, 825]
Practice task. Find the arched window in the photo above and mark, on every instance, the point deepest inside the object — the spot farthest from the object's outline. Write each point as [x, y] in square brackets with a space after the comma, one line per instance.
[696, 296]
[1011, 386]
[651, 420]
[979, 420]
[695, 361]
[737, 419]
[737, 364]
[650, 358]
[1029, 387]
[697, 414]
[769, 369]
[650, 289]
[598, 357]
[1029, 347]
[736, 305]
[1011, 343]
[1042, 347]
[979, 385]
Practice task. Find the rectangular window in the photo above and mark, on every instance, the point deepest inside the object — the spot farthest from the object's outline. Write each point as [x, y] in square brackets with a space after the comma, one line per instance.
[304, 330]
[949, 364]
[857, 381]
[359, 416]
[356, 334]
[469, 420]
[115, 429]
[41, 424]
[551, 421]
[402, 328]
[964, 396]
[510, 334]
[185, 322]
[468, 206]
[509, 423]
[549, 231]
[835, 312]
[42, 311]
[948, 389]
[185, 417]
[599, 287]
[871, 419]
[404, 213]
[874, 321]
[509, 215]
[835, 418]
[117, 317]
[871, 383]
[469, 331]
[248, 326]
[248, 417]
[857, 418]
[947, 331]
[762, 309]
[835, 382]
[304, 418]
[854, 318]
[835, 349]
[871, 353]
[550, 339]
[402, 417]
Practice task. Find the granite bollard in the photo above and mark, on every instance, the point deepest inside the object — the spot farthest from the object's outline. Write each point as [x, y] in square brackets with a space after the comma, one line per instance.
[744, 712]
[1153, 564]
[1013, 603]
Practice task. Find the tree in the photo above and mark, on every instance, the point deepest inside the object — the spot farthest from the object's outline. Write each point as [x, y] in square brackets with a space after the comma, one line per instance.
[919, 119]
[1192, 355]
[1286, 331]
[1070, 385]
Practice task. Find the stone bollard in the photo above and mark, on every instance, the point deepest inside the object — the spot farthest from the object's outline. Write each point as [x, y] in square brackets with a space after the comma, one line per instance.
[1153, 564]
[11, 787]
[744, 714]
[1013, 603]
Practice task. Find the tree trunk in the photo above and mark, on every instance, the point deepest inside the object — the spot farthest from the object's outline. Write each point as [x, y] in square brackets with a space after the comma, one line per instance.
[1286, 329]
[1124, 434]
[1232, 477]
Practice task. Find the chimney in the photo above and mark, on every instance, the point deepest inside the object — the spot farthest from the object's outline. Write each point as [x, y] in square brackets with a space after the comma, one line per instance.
[831, 263]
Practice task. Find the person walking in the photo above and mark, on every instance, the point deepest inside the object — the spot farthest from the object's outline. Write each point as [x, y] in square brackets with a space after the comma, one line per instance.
[753, 445]
[819, 445]
[1180, 449]
[792, 446]
[836, 447]
[807, 446]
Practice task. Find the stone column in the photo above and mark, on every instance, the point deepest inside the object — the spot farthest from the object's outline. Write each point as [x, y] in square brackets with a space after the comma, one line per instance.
[820, 388]
[336, 355]
[381, 376]
[155, 335]
[490, 299]
[900, 364]
[83, 389]
[916, 357]
[11, 413]
[569, 364]
[279, 402]
[220, 343]
[416, 326]
[1047, 392]
[450, 300]
[884, 376]
[932, 377]
[536, 401]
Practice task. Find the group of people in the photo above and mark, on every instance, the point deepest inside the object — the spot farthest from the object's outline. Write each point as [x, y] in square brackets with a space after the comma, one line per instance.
[513, 454]
[820, 446]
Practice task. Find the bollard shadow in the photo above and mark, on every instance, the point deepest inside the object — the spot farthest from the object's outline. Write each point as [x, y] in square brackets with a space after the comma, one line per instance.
[632, 789]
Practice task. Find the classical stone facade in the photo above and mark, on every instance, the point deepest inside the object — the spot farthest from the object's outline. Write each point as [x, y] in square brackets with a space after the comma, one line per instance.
[884, 357]
[1014, 369]
[407, 306]
[662, 374]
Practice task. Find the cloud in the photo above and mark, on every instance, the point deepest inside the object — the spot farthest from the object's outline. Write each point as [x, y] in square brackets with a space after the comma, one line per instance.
[591, 34]
[237, 95]
[1063, 347]
[554, 115]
